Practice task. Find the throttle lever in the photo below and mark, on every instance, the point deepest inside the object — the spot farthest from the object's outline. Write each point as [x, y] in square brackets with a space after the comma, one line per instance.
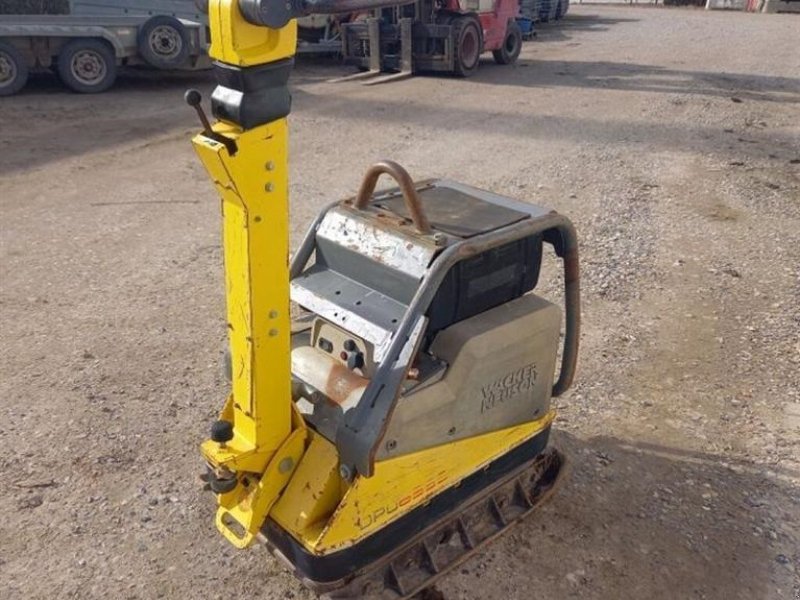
[194, 99]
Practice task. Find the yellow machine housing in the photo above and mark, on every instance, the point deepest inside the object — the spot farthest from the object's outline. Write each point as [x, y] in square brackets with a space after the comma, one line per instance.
[410, 397]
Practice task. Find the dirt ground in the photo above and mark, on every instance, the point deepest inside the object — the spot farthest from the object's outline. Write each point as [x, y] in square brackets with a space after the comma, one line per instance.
[670, 137]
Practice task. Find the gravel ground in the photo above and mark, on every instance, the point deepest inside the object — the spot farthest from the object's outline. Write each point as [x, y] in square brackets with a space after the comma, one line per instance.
[670, 137]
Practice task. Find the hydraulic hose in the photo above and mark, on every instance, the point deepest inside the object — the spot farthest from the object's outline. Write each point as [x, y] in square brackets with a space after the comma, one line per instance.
[277, 13]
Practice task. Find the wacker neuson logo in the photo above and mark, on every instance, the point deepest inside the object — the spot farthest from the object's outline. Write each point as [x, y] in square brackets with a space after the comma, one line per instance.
[508, 386]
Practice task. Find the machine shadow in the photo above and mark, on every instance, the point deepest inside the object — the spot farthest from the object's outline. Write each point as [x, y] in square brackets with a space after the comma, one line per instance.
[129, 79]
[630, 507]
[51, 122]
[561, 30]
[645, 78]
[530, 127]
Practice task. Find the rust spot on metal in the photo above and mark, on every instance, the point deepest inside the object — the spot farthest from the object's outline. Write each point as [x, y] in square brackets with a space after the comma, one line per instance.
[342, 382]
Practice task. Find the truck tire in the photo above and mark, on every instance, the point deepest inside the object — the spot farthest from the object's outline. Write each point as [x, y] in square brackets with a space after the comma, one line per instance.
[512, 45]
[87, 65]
[13, 70]
[467, 45]
[163, 42]
[544, 10]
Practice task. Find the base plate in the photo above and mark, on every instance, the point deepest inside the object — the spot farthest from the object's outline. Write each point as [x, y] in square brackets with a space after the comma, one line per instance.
[411, 553]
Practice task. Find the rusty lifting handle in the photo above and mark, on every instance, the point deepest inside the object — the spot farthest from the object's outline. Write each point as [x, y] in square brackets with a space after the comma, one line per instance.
[403, 179]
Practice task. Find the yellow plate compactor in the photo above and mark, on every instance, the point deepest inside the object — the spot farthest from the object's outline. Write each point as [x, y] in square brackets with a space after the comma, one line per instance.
[399, 422]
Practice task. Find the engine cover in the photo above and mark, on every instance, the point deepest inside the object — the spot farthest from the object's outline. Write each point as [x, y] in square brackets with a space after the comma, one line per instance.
[426, 330]
[500, 373]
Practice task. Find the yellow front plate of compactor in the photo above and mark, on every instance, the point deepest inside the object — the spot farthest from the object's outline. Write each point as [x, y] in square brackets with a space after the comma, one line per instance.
[325, 515]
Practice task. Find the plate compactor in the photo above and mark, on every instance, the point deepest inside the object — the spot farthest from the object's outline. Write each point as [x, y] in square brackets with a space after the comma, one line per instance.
[398, 421]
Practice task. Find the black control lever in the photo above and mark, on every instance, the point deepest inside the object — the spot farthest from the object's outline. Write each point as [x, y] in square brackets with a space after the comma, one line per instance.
[194, 99]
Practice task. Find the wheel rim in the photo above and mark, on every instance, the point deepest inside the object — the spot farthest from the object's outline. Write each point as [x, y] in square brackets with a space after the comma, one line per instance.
[8, 70]
[165, 41]
[469, 48]
[88, 67]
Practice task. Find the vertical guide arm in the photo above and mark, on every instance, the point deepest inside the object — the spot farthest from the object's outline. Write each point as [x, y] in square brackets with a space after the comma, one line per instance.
[255, 445]
[251, 175]
[253, 187]
[258, 440]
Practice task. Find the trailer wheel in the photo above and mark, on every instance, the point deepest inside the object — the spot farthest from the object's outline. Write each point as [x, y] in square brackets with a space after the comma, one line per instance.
[512, 45]
[87, 66]
[467, 45]
[163, 42]
[13, 70]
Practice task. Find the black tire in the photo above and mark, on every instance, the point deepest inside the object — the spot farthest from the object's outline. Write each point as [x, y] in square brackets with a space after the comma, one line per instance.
[512, 45]
[467, 45]
[544, 11]
[13, 70]
[87, 65]
[561, 9]
[163, 42]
